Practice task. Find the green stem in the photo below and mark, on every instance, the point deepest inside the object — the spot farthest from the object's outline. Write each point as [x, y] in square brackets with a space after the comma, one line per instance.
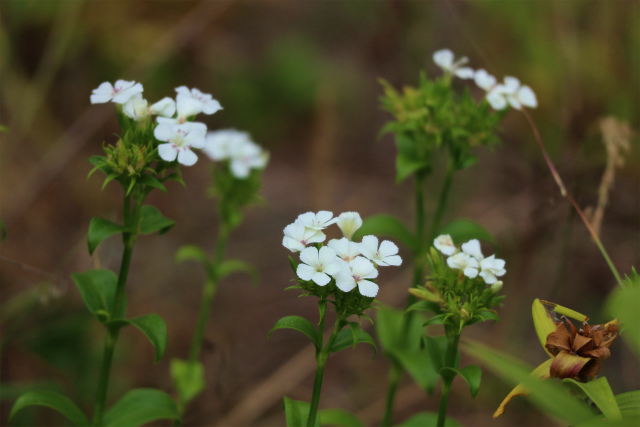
[132, 222]
[447, 379]
[442, 201]
[395, 374]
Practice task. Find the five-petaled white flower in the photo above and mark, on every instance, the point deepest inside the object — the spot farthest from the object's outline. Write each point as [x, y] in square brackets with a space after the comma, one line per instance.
[492, 268]
[345, 249]
[385, 255]
[297, 237]
[517, 95]
[349, 222]
[180, 139]
[444, 59]
[118, 93]
[355, 273]
[318, 265]
[472, 247]
[465, 262]
[317, 221]
[444, 243]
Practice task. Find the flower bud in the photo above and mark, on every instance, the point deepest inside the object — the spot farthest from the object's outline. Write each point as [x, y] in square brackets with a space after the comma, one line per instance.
[496, 287]
[349, 222]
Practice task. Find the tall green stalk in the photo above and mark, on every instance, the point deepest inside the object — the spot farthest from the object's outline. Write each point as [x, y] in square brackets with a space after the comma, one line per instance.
[442, 201]
[453, 336]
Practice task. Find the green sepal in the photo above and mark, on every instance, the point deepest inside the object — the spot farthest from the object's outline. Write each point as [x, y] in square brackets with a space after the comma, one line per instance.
[132, 184]
[191, 252]
[424, 419]
[386, 225]
[294, 265]
[99, 230]
[108, 179]
[188, 378]
[53, 400]
[235, 265]
[344, 339]
[296, 413]
[425, 306]
[152, 326]
[629, 404]
[600, 393]
[299, 324]
[98, 290]
[152, 220]
[462, 230]
[152, 181]
[482, 316]
[406, 166]
[338, 417]
[141, 406]
[472, 374]
[355, 332]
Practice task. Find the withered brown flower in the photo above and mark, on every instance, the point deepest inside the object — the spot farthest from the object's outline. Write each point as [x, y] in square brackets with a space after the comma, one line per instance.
[578, 354]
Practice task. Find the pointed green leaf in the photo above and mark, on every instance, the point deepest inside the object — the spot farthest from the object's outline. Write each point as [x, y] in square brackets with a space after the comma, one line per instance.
[139, 407]
[428, 419]
[629, 404]
[153, 220]
[471, 374]
[386, 225]
[406, 166]
[338, 417]
[542, 323]
[296, 413]
[99, 230]
[53, 400]
[152, 181]
[462, 230]
[344, 339]
[623, 305]
[152, 326]
[436, 320]
[600, 393]
[355, 332]
[299, 324]
[425, 306]
[188, 378]
[419, 365]
[98, 290]
[191, 252]
[109, 178]
[235, 265]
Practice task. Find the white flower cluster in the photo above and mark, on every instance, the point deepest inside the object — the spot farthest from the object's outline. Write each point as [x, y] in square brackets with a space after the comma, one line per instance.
[237, 147]
[349, 263]
[178, 134]
[499, 95]
[470, 259]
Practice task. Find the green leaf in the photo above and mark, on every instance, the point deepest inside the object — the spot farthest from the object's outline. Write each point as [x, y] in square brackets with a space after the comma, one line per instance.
[436, 320]
[139, 407]
[543, 324]
[53, 400]
[462, 230]
[191, 252]
[390, 324]
[338, 417]
[345, 339]
[152, 181]
[549, 396]
[109, 178]
[98, 290]
[623, 305]
[299, 324]
[600, 393]
[471, 374]
[235, 265]
[188, 378]
[355, 332]
[406, 166]
[152, 326]
[419, 365]
[428, 419]
[99, 230]
[153, 220]
[629, 403]
[296, 413]
[386, 225]
[425, 306]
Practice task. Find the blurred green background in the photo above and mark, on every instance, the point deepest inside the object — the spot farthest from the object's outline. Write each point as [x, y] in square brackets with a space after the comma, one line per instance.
[301, 77]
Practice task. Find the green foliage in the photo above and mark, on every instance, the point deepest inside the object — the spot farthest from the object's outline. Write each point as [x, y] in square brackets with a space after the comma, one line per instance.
[600, 394]
[471, 374]
[139, 407]
[188, 378]
[427, 419]
[419, 364]
[297, 412]
[233, 193]
[299, 324]
[191, 252]
[98, 290]
[151, 220]
[99, 230]
[53, 400]
[629, 404]
[231, 266]
[623, 304]
[462, 230]
[152, 326]
[397, 331]
[338, 417]
[386, 225]
[346, 338]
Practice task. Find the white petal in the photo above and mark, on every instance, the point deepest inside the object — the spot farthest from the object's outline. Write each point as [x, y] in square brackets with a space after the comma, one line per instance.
[470, 272]
[167, 152]
[394, 260]
[305, 272]
[195, 138]
[363, 268]
[239, 169]
[349, 222]
[333, 268]
[102, 93]
[484, 80]
[183, 90]
[187, 106]
[367, 288]
[388, 248]
[292, 244]
[527, 97]
[488, 277]
[324, 216]
[344, 280]
[187, 157]
[321, 279]
[511, 84]
[165, 107]
[326, 256]
[472, 247]
[211, 106]
[464, 73]
[309, 256]
[497, 100]
[126, 94]
[164, 132]
[369, 246]
[443, 58]
[316, 237]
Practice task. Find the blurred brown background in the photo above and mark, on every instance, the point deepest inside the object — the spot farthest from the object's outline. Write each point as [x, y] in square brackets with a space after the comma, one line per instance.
[301, 77]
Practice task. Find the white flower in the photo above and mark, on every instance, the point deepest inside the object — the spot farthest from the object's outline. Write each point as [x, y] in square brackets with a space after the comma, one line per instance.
[354, 273]
[219, 143]
[118, 93]
[297, 237]
[495, 93]
[345, 249]
[317, 221]
[492, 267]
[318, 265]
[236, 146]
[465, 262]
[349, 222]
[166, 107]
[384, 256]
[444, 243]
[136, 108]
[192, 102]
[179, 141]
[517, 95]
[444, 59]
[484, 80]
[472, 247]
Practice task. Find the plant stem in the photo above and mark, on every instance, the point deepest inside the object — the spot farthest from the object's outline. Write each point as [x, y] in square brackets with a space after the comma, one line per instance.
[132, 222]
[453, 336]
[419, 196]
[395, 374]
[442, 201]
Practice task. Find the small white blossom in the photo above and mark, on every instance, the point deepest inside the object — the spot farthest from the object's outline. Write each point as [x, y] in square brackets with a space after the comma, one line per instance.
[136, 108]
[355, 273]
[385, 255]
[517, 95]
[191, 102]
[318, 265]
[297, 237]
[495, 93]
[349, 222]
[118, 93]
[465, 262]
[166, 107]
[345, 249]
[237, 147]
[492, 268]
[444, 243]
[180, 139]
[444, 59]
[472, 247]
[317, 221]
